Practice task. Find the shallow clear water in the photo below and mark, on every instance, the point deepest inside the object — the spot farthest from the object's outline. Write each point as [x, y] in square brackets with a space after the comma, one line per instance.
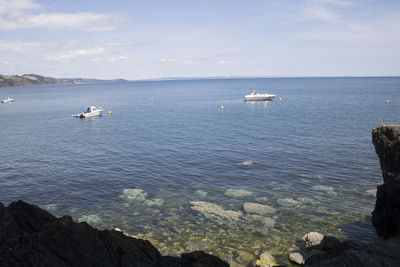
[309, 156]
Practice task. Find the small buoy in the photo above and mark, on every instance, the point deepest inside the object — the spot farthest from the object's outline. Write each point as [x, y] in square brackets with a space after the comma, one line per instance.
[151, 99]
[34, 100]
[280, 98]
[387, 101]
[222, 107]
[109, 113]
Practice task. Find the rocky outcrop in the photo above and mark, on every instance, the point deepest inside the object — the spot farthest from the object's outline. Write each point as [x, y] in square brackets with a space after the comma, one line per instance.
[30, 236]
[386, 215]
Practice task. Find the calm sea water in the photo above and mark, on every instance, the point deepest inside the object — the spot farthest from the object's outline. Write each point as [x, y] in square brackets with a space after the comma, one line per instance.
[308, 155]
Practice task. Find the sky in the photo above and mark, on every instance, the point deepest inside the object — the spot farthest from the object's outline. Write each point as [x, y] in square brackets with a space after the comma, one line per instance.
[152, 39]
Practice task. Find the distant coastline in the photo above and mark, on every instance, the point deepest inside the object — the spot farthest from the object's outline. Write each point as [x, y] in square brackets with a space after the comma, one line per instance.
[34, 79]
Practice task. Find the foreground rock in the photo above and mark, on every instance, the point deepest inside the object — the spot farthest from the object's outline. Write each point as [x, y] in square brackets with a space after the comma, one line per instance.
[296, 258]
[380, 253]
[386, 215]
[319, 250]
[30, 236]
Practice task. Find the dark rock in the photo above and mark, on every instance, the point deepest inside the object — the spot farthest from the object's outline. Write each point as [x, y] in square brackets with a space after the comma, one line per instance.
[328, 243]
[386, 140]
[30, 236]
[316, 256]
[380, 253]
[193, 259]
[386, 215]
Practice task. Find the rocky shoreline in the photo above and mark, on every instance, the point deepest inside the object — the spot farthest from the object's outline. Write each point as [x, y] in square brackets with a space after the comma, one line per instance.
[30, 236]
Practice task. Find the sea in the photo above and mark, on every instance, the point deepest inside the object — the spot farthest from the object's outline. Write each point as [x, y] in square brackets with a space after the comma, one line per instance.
[175, 161]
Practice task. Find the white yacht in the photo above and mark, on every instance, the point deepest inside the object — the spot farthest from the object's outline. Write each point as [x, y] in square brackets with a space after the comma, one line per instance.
[89, 112]
[7, 100]
[258, 97]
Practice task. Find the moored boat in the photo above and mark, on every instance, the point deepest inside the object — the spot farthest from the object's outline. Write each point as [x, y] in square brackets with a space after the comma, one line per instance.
[89, 112]
[7, 100]
[258, 97]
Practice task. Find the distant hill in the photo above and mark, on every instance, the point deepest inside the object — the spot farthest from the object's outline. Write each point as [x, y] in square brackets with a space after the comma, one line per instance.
[34, 79]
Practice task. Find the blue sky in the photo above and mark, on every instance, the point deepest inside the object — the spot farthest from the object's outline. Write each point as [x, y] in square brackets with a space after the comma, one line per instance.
[150, 39]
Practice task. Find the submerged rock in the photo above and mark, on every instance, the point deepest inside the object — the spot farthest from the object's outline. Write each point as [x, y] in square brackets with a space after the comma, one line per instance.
[30, 236]
[266, 222]
[386, 215]
[201, 193]
[139, 196]
[92, 219]
[133, 195]
[259, 209]
[371, 192]
[246, 163]
[328, 189]
[238, 193]
[288, 202]
[213, 211]
[266, 260]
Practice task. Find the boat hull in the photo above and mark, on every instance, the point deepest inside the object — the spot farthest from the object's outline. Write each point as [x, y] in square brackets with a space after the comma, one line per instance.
[259, 98]
[89, 114]
[93, 114]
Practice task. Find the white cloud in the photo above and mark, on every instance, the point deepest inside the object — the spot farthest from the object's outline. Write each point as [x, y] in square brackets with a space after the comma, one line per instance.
[335, 2]
[114, 59]
[179, 61]
[224, 62]
[24, 46]
[21, 14]
[71, 54]
[15, 8]
[382, 31]
[321, 13]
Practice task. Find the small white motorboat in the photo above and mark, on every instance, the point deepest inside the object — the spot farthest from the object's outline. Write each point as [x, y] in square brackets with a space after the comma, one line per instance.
[7, 100]
[89, 112]
[258, 97]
